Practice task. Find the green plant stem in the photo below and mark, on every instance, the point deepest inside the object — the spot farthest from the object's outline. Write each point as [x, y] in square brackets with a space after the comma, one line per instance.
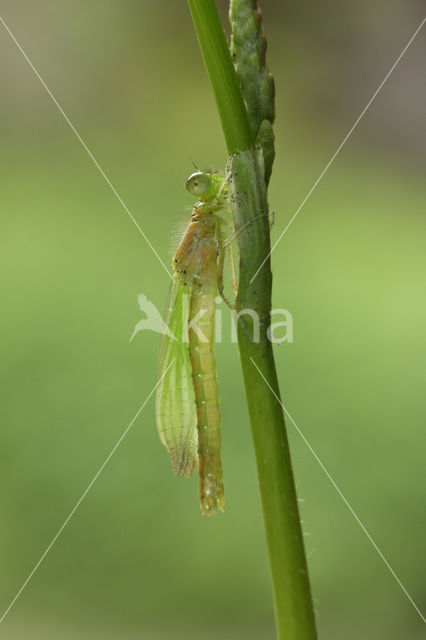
[292, 596]
[229, 99]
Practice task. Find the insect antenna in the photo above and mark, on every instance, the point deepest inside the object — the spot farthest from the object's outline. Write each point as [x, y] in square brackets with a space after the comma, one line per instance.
[192, 162]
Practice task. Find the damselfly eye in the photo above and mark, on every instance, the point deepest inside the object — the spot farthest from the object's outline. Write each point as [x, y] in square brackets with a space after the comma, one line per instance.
[198, 183]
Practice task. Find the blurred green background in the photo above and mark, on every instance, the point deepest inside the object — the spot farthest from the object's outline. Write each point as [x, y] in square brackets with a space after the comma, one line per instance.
[137, 560]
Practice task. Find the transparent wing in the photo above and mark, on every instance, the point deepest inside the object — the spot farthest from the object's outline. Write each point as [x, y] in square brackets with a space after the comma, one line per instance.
[175, 400]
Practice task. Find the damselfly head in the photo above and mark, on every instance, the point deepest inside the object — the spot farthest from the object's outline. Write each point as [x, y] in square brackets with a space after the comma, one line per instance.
[200, 184]
[208, 187]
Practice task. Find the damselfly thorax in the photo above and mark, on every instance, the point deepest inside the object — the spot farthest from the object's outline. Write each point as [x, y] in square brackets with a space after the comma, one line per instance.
[198, 250]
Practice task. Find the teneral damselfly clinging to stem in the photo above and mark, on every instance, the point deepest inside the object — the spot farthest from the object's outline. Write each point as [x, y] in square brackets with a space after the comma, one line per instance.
[187, 400]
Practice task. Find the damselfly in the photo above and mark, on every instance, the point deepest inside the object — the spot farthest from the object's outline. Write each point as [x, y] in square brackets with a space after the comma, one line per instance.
[187, 400]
